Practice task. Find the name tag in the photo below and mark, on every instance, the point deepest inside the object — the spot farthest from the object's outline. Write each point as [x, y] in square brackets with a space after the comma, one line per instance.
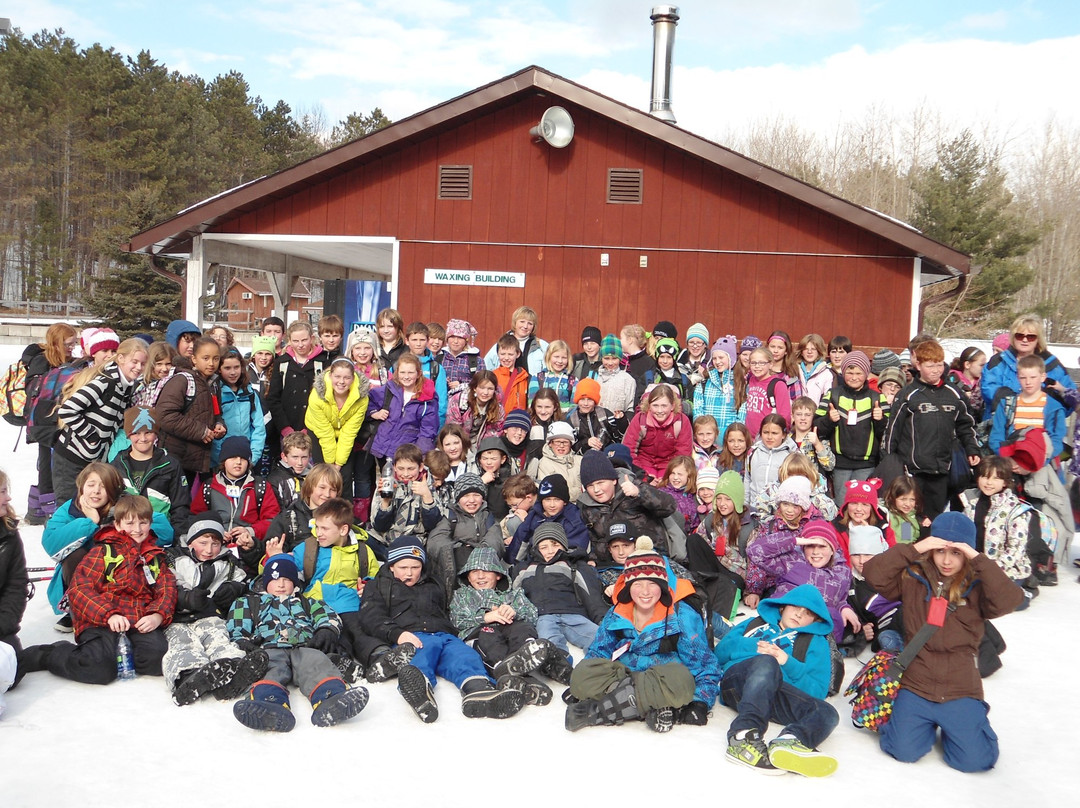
[150, 577]
[622, 649]
[852, 417]
[935, 615]
[232, 491]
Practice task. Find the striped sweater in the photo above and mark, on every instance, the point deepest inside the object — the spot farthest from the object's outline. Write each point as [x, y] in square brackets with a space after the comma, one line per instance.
[92, 416]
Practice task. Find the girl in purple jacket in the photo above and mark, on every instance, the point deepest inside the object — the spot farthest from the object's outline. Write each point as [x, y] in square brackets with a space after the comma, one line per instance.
[408, 408]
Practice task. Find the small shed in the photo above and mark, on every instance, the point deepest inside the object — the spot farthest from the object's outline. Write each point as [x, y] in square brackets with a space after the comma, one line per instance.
[467, 213]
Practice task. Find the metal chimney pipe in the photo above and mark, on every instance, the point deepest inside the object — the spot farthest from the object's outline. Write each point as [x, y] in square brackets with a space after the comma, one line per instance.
[664, 19]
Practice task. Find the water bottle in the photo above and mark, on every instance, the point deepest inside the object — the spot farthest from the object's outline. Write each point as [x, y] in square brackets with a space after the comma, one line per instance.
[125, 662]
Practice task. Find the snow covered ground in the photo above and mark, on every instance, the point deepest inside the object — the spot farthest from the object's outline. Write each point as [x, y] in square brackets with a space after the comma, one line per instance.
[127, 744]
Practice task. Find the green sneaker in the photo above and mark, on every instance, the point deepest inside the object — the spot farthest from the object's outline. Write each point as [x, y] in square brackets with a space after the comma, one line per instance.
[751, 752]
[787, 754]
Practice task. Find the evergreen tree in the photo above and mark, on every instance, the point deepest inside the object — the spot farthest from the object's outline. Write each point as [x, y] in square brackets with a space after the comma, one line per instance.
[357, 126]
[963, 201]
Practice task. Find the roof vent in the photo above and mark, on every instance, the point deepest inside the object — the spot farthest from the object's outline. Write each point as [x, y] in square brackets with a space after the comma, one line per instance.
[455, 182]
[664, 19]
[624, 186]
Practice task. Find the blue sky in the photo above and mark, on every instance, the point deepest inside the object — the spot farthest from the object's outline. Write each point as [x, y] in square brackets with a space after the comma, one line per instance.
[818, 63]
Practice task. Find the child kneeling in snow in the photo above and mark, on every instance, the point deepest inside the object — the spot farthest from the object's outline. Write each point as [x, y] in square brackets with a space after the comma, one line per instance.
[292, 630]
[201, 657]
[650, 659]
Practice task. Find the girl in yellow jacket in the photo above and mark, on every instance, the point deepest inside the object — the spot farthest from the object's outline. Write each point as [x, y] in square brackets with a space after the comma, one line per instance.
[336, 410]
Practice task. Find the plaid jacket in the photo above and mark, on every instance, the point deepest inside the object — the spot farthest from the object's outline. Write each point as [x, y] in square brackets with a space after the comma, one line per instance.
[120, 577]
[278, 623]
[716, 397]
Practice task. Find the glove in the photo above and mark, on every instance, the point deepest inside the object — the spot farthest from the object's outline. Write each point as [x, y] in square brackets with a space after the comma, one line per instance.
[247, 646]
[696, 714]
[325, 640]
[225, 594]
[193, 600]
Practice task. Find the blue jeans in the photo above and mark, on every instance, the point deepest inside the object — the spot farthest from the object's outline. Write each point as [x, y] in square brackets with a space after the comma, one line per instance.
[560, 628]
[891, 640]
[756, 689]
[970, 743]
[447, 656]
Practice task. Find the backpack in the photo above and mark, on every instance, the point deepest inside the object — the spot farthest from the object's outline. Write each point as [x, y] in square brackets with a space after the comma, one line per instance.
[42, 422]
[14, 393]
[802, 644]
[641, 435]
[260, 492]
[1042, 526]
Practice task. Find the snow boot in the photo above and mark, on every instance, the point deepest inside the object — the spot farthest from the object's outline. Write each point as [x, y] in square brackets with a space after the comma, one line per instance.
[333, 701]
[361, 508]
[32, 659]
[481, 699]
[558, 666]
[35, 515]
[536, 692]
[48, 505]
[661, 719]
[616, 707]
[266, 707]
[387, 666]
[64, 624]
[416, 690]
[192, 685]
[694, 714]
[351, 670]
[529, 657]
[1046, 574]
[246, 672]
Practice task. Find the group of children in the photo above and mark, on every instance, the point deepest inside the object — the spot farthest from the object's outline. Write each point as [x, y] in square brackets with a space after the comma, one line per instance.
[407, 509]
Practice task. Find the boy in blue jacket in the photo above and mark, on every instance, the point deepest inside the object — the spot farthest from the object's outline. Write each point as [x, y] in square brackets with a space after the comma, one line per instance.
[335, 563]
[552, 505]
[770, 674]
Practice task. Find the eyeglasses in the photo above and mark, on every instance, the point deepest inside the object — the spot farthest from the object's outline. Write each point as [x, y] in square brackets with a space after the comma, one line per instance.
[1025, 337]
[759, 364]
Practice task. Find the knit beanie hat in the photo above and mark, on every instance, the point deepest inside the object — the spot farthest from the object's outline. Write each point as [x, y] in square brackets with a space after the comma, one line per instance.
[665, 329]
[518, 418]
[884, 359]
[866, 540]
[858, 359]
[796, 490]
[280, 566]
[587, 387]
[596, 466]
[698, 330]
[235, 446]
[865, 491]
[365, 336]
[905, 357]
[550, 530]
[460, 328]
[136, 419]
[591, 334]
[1028, 449]
[407, 546]
[611, 346]
[731, 485]
[1001, 342]
[490, 442]
[98, 339]
[645, 564]
[560, 429]
[554, 485]
[727, 345]
[708, 477]
[666, 346]
[749, 343]
[818, 531]
[955, 527]
[469, 483]
[268, 344]
[202, 527]
[619, 455]
[891, 374]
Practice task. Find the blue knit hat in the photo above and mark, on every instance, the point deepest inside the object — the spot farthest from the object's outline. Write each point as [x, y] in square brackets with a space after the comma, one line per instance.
[698, 330]
[955, 527]
[280, 566]
[518, 418]
[405, 547]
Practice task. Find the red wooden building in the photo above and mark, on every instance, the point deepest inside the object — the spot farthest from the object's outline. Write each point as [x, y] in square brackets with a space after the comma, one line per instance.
[249, 301]
[636, 220]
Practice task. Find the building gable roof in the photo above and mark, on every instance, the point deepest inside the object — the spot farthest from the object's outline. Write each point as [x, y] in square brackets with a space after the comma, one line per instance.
[174, 234]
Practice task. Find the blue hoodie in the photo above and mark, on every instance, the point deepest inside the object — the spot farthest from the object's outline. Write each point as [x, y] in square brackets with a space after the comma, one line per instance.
[810, 676]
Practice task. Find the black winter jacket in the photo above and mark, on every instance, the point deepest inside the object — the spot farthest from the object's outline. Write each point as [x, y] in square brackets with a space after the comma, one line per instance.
[924, 422]
[13, 581]
[389, 608]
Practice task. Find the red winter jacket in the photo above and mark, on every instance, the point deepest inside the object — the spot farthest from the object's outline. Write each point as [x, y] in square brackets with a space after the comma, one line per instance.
[243, 510]
[114, 578]
[661, 441]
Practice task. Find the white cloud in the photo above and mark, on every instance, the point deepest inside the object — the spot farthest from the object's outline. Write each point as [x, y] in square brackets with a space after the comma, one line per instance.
[992, 20]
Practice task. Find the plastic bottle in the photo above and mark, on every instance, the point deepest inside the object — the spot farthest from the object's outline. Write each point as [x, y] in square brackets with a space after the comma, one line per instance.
[125, 662]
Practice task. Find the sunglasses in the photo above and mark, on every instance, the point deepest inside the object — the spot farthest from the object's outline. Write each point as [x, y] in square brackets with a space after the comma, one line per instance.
[1025, 337]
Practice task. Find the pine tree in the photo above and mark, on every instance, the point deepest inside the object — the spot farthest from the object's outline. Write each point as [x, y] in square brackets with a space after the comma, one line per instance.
[963, 201]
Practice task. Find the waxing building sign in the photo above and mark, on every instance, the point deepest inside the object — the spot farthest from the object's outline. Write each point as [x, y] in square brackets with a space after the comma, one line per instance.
[471, 277]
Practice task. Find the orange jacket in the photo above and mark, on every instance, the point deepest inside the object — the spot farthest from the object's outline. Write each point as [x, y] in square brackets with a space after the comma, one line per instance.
[513, 388]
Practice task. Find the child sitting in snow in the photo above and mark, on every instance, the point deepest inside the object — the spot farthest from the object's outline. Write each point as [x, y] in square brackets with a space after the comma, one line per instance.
[500, 623]
[292, 630]
[882, 622]
[201, 658]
